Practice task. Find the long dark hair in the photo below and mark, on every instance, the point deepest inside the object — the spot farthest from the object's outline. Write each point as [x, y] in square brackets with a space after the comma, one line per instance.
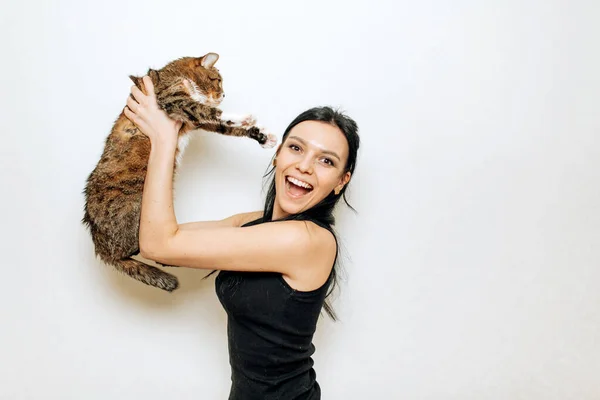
[322, 212]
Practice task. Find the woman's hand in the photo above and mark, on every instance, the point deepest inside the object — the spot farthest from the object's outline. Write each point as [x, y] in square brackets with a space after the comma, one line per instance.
[144, 112]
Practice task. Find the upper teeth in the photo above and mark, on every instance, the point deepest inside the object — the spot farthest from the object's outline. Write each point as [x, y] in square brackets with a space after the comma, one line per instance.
[299, 183]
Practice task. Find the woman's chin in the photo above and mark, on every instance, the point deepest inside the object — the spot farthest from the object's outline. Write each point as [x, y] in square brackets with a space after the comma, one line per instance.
[289, 209]
[293, 206]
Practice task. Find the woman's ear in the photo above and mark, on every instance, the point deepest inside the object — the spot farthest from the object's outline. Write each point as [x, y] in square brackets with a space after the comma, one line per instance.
[276, 154]
[343, 182]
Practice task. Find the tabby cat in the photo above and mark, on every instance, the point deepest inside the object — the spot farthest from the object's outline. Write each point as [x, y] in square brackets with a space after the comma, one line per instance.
[189, 90]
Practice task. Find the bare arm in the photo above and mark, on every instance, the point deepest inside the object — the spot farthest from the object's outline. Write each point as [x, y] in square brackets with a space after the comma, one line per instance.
[235, 221]
[284, 247]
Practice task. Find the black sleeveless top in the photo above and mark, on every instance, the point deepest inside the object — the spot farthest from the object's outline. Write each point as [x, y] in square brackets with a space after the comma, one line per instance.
[270, 327]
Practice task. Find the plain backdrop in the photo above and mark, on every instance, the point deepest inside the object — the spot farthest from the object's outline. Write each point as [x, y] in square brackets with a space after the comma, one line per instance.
[471, 267]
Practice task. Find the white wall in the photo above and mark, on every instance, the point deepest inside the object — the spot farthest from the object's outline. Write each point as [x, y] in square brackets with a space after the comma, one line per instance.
[474, 256]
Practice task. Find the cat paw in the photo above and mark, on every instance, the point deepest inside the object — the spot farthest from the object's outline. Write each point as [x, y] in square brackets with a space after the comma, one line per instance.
[270, 142]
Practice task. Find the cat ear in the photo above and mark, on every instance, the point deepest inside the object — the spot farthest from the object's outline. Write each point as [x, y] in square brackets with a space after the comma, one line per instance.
[153, 74]
[209, 60]
[138, 81]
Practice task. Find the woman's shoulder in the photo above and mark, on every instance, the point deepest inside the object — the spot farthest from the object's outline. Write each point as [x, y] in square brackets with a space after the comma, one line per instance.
[318, 231]
[245, 218]
[314, 229]
[313, 239]
[318, 254]
[308, 231]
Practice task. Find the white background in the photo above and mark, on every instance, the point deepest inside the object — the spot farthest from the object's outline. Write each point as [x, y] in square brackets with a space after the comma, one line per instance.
[472, 265]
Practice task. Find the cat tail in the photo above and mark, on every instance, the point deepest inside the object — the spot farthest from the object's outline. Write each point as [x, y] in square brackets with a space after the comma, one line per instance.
[146, 274]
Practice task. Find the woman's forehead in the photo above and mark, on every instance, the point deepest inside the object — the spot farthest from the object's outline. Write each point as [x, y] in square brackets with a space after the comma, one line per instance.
[322, 135]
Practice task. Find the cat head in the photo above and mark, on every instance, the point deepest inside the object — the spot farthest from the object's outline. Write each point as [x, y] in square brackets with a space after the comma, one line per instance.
[197, 76]
[202, 80]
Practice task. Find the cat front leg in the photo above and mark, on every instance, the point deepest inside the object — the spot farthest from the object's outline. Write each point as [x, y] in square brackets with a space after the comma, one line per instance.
[238, 120]
[191, 112]
[266, 140]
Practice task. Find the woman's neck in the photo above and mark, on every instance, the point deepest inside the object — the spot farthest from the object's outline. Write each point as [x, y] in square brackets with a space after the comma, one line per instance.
[278, 213]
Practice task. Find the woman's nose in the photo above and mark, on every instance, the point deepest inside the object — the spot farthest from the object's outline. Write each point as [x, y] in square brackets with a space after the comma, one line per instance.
[305, 165]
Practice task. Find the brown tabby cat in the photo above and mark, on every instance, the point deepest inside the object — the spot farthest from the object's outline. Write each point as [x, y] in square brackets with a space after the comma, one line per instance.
[187, 89]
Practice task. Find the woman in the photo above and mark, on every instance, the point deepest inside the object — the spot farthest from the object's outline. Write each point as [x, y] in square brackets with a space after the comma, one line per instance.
[276, 266]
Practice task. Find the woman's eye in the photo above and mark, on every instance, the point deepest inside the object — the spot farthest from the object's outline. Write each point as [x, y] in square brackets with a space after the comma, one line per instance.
[294, 147]
[328, 161]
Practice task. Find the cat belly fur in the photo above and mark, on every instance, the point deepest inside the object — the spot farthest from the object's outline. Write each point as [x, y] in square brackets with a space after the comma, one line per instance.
[182, 142]
[113, 203]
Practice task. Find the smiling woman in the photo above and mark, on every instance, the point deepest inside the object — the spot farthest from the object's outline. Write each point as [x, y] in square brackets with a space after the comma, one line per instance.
[273, 294]
[309, 166]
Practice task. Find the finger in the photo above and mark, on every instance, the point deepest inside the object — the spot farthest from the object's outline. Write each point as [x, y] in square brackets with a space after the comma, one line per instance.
[139, 96]
[130, 114]
[132, 104]
[137, 121]
[148, 85]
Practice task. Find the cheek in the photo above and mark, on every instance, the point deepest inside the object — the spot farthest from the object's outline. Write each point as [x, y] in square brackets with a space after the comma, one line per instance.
[329, 180]
[285, 160]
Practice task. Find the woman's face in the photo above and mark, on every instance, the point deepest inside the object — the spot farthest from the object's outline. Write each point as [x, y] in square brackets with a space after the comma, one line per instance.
[309, 166]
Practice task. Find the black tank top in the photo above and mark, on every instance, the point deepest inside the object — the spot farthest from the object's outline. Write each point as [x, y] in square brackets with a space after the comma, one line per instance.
[270, 327]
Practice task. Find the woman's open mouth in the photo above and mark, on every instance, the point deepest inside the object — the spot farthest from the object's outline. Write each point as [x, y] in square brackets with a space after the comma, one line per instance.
[297, 188]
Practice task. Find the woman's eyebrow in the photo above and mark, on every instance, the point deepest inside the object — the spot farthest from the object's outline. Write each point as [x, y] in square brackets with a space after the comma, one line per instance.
[332, 153]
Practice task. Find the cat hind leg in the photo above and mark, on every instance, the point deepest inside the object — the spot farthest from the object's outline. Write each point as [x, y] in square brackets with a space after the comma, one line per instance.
[147, 274]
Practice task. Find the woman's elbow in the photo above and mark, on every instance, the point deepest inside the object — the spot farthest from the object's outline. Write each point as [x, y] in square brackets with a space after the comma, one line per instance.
[149, 251]
[156, 249]
[144, 252]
